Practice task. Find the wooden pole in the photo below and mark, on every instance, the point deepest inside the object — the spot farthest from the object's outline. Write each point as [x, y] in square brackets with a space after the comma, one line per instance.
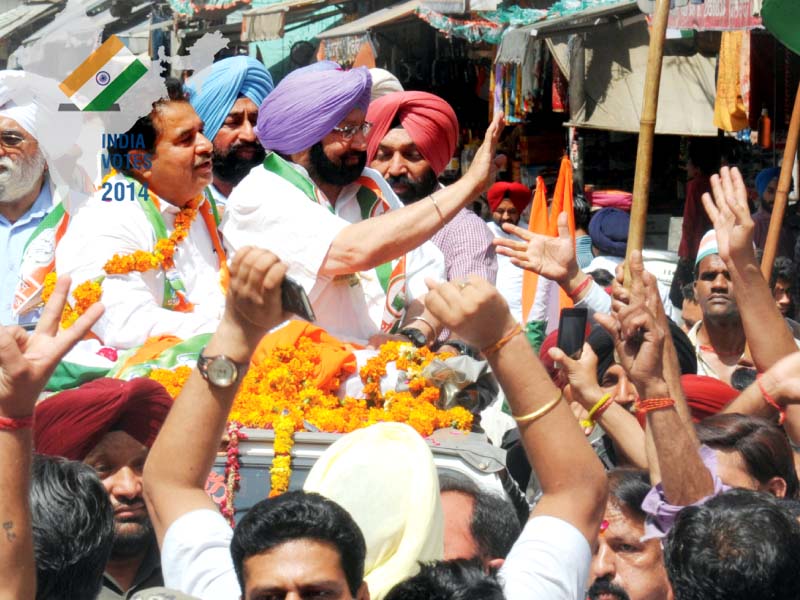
[647, 130]
[782, 194]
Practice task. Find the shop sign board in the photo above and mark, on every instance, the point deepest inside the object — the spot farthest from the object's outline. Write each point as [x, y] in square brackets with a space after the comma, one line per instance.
[716, 15]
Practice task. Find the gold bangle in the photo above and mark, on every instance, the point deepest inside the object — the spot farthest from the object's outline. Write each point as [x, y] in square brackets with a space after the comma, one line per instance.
[540, 412]
[438, 210]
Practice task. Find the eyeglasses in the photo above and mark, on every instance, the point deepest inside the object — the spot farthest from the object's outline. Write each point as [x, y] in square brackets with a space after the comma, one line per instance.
[348, 132]
[11, 139]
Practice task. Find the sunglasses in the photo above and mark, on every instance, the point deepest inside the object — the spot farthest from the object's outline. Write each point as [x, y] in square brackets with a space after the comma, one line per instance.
[11, 139]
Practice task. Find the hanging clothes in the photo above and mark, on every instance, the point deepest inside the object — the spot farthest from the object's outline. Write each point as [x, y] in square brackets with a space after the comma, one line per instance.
[730, 112]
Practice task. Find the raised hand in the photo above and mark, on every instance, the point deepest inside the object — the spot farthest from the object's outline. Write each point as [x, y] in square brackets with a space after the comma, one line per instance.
[730, 215]
[254, 293]
[473, 309]
[483, 169]
[551, 257]
[28, 360]
[581, 375]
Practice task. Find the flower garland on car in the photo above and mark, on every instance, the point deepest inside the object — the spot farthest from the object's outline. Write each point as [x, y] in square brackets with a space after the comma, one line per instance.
[84, 296]
[279, 394]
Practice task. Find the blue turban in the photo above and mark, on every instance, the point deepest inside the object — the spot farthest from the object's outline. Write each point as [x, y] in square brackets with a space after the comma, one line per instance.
[309, 103]
[763, 179]
[608, 229]
[214, 90]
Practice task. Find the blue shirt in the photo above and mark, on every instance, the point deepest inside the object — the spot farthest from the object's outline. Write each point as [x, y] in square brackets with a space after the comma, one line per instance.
[13, 237]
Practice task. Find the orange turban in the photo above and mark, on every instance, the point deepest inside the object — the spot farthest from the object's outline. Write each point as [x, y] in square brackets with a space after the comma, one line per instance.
[429, 120]
[519, 194]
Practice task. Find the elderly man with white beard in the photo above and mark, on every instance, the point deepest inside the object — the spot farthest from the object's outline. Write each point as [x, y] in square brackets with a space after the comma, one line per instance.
[25, 200]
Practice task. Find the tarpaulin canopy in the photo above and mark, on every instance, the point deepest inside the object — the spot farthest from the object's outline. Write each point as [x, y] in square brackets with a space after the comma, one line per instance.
[782, 19]
[268, 22]
[379, 18]
[616, 65]
[23, 15]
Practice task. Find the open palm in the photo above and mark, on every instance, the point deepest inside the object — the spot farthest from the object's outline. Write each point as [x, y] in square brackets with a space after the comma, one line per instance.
[730, 215]
[551, 257]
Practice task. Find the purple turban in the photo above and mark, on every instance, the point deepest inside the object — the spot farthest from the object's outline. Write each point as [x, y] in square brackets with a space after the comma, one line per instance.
[309, 103]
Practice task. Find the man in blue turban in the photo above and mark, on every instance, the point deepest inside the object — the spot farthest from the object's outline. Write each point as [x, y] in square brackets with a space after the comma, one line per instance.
[226, 96]
[361, 256]
[767, 186]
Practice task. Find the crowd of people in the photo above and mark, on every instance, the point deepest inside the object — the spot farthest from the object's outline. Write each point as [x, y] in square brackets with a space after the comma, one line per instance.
[663, 457]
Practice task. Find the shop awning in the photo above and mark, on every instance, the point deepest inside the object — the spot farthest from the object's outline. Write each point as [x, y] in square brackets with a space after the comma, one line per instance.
[379, 18]
[24, 14]
[268, 22]
[515, 41]
[616, 65]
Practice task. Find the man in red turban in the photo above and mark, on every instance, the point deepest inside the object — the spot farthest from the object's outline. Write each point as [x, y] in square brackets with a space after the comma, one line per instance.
[110, 424]
[507, 201]
[413, 138]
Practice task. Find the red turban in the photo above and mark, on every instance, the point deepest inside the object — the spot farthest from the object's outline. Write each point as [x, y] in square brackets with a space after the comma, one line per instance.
[72, 423]
[706, 396]
[519, 194]
[429, 120]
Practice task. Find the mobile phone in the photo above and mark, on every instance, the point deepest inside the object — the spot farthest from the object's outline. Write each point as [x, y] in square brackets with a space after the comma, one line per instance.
[572, 331]
[295, 300]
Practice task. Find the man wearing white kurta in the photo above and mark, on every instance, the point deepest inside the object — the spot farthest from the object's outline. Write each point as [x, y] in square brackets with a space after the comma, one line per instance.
[338, 226]
[138, 304]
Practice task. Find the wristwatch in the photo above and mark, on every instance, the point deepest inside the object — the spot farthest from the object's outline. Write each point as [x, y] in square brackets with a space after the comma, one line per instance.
[220, 370]
[415, 336]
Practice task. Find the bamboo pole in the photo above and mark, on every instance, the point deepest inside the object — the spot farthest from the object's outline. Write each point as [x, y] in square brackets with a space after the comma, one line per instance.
[782, 194]
[647, 129]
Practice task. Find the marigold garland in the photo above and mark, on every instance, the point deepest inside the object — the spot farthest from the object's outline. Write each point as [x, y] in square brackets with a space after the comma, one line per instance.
[164, 254]
[279, 394]
[86, 294]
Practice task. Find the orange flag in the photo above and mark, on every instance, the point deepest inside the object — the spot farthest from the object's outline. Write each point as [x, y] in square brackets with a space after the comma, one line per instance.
[562, 202]
[538, 224]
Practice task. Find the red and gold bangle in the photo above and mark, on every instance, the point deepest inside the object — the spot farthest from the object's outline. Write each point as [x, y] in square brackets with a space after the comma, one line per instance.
[502, 341]
[651, 404]
[771, 401]
[10, 424]
[582, 286]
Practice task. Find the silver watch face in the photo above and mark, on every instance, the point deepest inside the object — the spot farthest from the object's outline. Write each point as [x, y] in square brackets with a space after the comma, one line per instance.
[221, 372]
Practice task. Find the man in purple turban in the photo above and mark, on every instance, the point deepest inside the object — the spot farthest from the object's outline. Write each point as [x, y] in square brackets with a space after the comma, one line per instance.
[360, 255]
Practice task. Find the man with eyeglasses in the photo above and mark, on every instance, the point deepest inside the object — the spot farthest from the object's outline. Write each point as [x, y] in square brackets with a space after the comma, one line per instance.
[26, 196]
[360, 255]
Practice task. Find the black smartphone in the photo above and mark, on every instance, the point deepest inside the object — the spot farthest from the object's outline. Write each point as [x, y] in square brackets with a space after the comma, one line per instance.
[295, 300]
[572, 331]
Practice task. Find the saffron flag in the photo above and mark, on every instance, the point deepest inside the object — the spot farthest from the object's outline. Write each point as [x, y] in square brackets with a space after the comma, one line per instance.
[538, 224]
[100, 80]
[562, 202]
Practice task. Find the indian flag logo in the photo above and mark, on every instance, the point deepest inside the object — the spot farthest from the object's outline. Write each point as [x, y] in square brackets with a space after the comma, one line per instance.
[103, 77]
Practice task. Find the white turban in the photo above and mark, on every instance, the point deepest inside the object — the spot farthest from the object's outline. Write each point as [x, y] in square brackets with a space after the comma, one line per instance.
[384, 476]
[383, 82]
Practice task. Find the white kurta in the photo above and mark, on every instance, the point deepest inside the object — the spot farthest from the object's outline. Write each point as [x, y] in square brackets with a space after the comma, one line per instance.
[509, 276]
[134, 312]
[267, 211]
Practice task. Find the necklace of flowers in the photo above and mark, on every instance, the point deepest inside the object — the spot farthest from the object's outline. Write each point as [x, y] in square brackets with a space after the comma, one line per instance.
[164, 254]
[407, 357]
